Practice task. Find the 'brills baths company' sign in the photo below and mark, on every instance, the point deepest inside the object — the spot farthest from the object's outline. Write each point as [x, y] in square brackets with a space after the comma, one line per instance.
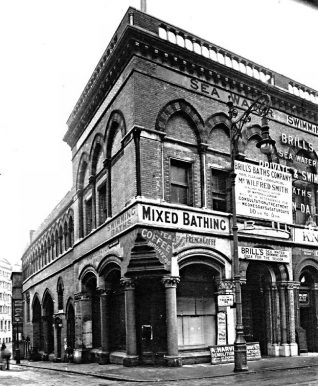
[263, 192]
[225, 354]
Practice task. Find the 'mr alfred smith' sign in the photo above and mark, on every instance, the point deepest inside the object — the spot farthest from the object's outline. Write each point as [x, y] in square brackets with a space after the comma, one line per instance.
[264, 193]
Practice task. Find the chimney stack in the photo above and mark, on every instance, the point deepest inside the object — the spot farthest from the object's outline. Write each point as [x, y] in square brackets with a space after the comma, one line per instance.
[143, 6]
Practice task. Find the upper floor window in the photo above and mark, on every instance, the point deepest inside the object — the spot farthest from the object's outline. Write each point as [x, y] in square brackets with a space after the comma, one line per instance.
[102, 207]
[89, 215]
[219, 190]
[60, 291]
[180, 173]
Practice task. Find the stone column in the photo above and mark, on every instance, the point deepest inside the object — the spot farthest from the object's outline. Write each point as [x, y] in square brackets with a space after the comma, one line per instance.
[292, 324]
[269, 317]
[284, 348]
[131, 358]
[83, 312]
[172, 357]
[104, 294]
[276, 320]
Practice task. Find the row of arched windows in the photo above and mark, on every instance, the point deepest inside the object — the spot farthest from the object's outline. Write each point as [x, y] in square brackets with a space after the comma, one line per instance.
[56, 240]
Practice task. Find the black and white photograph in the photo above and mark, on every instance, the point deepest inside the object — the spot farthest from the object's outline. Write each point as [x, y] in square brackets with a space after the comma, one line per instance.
[159, 192]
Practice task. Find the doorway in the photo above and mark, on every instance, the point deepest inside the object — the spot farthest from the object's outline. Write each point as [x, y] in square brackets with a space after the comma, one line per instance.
[151, 321]
[308, 310]
[255, 320]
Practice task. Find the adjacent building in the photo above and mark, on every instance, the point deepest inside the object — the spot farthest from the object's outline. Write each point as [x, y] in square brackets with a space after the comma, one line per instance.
[135, 264]
[18, 341]
[5, 301]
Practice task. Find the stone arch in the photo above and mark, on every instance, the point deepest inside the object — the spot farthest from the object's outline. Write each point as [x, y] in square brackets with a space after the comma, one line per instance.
[91, 317]
[217, 120]
[308, 263]
[186, 109]
[70, 324]
[87, 270]
[208, 256]
[97, 151]
[109, 263]
[199, 274]
[48, 322]
[82, 169]
[36, 322]
[116, 123]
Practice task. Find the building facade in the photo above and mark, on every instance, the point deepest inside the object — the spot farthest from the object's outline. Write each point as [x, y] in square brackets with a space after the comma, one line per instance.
[135, 264]
[19, 345]
[5, 301]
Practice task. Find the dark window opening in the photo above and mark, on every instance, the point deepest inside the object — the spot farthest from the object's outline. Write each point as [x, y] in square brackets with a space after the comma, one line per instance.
[180, 182]
[219, 190]
[102, 207]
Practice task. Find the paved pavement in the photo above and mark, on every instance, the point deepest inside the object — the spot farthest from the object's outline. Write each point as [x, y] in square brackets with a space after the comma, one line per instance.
[187, 372]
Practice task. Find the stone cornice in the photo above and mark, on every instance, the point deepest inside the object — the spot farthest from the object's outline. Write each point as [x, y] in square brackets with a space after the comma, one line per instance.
[140, 43]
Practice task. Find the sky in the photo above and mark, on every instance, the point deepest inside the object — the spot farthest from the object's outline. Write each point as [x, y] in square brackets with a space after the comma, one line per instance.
[49, 49]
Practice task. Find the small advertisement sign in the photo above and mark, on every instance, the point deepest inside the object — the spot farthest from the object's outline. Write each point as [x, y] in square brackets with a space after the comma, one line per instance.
[225, 353]
[303, 298]
[263, 254]
[263, 192]
[221, 322]
[225, 300]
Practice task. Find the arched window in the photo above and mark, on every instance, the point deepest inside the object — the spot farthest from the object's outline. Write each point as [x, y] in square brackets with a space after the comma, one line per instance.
[60, 291]
[60, 240]
[71, 231]
[65, 234]
[56, 243]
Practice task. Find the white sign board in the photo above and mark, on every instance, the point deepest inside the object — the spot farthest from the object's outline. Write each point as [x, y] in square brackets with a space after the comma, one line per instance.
[306, 236]
[225, 300]
[172, 218]
[263, 193]
[262, 254]
[222, 335]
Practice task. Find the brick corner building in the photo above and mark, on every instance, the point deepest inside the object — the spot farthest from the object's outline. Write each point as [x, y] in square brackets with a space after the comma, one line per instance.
[135, 264]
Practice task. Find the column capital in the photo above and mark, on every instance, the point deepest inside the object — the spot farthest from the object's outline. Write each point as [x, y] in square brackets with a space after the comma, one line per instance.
[225, 285]
[103, 291]
[282, 284]
[293, 285]
[170, 281]
[127, 283]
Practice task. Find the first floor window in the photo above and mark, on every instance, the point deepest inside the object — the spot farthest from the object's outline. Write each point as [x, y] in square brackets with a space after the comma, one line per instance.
[219, 190]
[180, 182]
[102, 208]
[89, 215]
